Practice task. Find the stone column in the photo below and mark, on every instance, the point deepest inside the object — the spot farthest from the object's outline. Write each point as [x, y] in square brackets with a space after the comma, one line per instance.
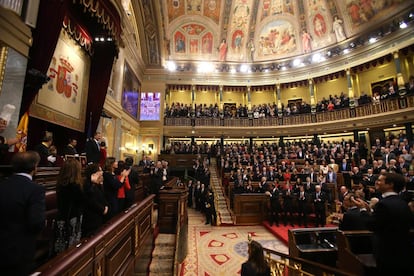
[249, 97]
[279, 101]
[400, 79]
[351, 94]
[312, 96]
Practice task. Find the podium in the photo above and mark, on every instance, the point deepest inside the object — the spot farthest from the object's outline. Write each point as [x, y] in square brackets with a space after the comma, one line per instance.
[314, 244]
[172, 208]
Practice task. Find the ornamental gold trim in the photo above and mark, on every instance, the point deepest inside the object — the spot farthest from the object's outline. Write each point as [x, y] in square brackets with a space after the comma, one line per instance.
[3, 60]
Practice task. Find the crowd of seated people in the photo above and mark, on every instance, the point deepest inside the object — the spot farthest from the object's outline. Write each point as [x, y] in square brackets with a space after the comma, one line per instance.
[273, 166]
[181, 147]
[268, 110]
[265, 110]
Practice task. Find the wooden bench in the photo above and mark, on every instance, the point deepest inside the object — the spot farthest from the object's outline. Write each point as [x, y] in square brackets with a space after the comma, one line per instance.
[47, 176]
[44, 242]
[120, 247]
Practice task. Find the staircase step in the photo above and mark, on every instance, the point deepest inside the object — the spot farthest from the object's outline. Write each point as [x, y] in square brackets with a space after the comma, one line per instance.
[164, 252]
[160, 274]
[163, 239]
[160, 266]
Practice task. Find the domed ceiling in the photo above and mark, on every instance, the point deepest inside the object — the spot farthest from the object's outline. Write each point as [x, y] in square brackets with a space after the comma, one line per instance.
[265, 30]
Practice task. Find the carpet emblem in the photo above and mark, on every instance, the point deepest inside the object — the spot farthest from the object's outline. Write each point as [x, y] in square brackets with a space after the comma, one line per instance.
[220, 258]
[202, 233]
[215, 243]
[231, 236]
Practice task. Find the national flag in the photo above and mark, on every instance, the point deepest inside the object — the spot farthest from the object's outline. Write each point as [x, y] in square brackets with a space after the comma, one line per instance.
[21, 133]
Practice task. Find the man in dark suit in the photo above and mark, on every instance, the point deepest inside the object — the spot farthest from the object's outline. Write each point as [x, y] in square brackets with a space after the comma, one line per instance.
[275, 207]
[43, 149]
[313, 176]
[22, 214]
[331, 177]
[391, 222]
[70, 148]
[309, 185]
[93, 148]
[303, 210]
[319, 199]
[345, 166]
[145, 163]
[353, 218]
[387, 156]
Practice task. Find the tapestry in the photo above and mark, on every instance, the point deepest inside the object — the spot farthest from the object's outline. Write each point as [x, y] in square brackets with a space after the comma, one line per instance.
[62, 100]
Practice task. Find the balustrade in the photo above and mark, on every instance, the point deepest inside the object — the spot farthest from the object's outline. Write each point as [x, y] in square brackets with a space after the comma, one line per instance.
[388, 105]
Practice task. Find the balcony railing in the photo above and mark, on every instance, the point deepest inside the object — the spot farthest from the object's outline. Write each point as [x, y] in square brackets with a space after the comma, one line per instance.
[384, 106]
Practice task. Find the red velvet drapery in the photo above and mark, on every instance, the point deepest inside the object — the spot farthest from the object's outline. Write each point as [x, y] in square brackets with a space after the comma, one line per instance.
[45, 36]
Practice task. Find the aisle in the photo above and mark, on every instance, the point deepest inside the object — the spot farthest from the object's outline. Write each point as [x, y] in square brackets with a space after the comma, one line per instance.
[223, 213]
[220, 250]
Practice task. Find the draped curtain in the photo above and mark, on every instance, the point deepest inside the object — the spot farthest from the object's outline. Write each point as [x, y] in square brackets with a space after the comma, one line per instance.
[45, 37]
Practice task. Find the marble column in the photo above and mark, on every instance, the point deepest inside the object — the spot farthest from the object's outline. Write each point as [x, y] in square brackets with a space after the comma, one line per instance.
[400, 79]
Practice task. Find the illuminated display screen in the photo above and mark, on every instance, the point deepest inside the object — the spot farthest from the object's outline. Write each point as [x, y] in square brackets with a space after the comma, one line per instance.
[150, 106]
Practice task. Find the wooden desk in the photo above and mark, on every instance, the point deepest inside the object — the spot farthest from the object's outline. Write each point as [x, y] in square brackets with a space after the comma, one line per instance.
[172, 207]
[250, 208]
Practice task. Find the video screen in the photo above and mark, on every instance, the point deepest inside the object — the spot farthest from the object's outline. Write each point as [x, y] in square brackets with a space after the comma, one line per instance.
[150, 106]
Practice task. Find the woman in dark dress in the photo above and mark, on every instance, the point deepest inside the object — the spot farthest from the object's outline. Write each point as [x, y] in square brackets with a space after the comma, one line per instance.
[111, 184]
[96, 206]
[256, 265]
[69, 193]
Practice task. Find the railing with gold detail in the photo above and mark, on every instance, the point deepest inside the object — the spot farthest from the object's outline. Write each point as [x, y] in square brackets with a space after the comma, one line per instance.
[384, 106]
[282, 264]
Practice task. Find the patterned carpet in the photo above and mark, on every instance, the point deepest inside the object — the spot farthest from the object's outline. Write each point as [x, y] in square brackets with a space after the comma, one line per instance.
[220, 250]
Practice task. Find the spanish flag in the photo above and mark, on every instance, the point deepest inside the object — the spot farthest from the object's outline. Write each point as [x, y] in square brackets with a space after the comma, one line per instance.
[21, 133]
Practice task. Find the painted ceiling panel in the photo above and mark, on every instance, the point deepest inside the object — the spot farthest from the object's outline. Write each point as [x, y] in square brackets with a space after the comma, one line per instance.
[266, 30]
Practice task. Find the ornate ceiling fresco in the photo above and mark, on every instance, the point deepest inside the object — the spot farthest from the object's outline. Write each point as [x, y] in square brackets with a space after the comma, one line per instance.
[265, 30]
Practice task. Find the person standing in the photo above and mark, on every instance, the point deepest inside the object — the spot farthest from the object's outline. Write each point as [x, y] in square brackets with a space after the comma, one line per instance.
[275, 206]
[43, 150]
[256, 263]
[288, 195]
[112, 183]
[156, 180]
[319, 199]
[96, 206]
[126, 186]
[210, 210]
[93, 148]
[190, 193]
[303, 199]
[391, 222]
[22, 214]
[70, 148]
[70, 200]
